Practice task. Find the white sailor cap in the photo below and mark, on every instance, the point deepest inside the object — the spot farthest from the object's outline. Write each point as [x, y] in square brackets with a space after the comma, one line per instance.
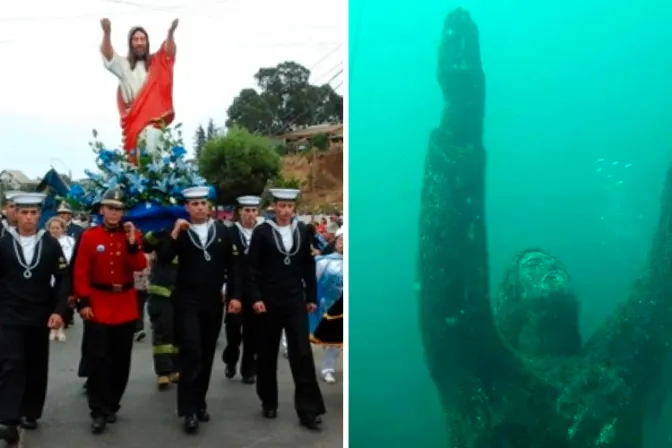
[285, 194]
[10, 195]
[29, 199]
[193, 193]
[249, 201]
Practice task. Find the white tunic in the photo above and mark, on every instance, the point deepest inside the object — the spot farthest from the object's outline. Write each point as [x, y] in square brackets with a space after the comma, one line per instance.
[28, 244]
[287, 237]
[131, 81]
[202, 231]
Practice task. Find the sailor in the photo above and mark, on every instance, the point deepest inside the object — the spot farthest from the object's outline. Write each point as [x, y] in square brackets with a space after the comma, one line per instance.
[240, 327]
[9, 211]
[283, 290]
[161, 310]
[71, 229]
[207, 258]
[29, 307]
[103, 266]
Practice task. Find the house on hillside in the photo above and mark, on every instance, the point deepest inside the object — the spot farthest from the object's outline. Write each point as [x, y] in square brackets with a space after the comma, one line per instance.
[17, 180]
[334, 133]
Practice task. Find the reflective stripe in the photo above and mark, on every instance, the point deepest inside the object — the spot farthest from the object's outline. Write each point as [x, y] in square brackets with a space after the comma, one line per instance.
[167, 349]
[152, 239]
[159, 290]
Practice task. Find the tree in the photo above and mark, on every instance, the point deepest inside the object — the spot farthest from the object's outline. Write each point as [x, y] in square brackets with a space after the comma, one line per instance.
[199, 141]
[239, 163]
[211, 131]
[285, 100]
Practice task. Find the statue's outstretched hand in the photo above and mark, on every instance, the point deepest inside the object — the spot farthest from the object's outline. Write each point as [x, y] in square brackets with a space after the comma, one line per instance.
[106, 25]
[173, 26]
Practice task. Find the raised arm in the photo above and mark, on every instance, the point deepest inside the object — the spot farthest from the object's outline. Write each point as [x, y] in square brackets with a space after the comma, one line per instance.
[112, 61]
[169, 44]
[106, 46]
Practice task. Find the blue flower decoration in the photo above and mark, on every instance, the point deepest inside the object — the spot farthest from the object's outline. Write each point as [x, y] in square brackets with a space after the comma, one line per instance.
[158, 179]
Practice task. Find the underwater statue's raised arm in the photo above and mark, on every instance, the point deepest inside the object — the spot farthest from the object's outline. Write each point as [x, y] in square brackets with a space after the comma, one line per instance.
[466, 357]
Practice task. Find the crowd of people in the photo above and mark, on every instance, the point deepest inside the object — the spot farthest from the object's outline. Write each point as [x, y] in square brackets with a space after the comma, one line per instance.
[260, 278]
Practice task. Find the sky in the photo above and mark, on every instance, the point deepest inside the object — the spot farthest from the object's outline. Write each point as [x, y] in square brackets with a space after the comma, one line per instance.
[58, 91]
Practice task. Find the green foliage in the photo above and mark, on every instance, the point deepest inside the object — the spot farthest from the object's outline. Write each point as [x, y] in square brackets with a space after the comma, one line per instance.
[204, 135]
[281, 182]
[239, 163]
[321, 141]
[281, 150]
[199, 141]
[285, 100]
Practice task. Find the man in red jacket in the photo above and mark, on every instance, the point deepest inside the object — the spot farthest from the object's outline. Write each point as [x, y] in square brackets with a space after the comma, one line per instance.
[103, 267]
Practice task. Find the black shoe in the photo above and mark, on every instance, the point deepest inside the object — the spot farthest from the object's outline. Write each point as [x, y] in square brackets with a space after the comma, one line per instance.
[111, 419]
[28, 423]
[311, 422]
[251, 379]
[269, 413]
[203, 416]
[10, 434]
[98, 425]
[230, 371]
[190, 424]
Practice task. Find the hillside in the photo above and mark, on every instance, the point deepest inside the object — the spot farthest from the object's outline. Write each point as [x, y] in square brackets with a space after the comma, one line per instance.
[321, 181]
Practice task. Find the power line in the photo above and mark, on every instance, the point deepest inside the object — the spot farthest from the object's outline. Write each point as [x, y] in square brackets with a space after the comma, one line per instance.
[138, 6]
[331, 70]
[319, 61]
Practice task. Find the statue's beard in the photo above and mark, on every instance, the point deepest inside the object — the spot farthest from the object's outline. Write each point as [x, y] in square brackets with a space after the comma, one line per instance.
[140, 54]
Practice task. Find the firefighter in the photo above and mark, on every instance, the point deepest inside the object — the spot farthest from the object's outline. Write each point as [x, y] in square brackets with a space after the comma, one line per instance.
[160, 308]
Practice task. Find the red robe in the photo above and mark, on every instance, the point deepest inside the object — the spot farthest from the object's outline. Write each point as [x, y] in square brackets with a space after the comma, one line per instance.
[153, 104]
[103, 262]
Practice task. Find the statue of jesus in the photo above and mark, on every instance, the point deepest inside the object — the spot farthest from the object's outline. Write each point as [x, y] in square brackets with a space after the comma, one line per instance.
[145, 93]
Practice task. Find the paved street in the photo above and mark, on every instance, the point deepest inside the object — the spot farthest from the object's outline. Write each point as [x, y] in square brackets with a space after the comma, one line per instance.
[148, 419]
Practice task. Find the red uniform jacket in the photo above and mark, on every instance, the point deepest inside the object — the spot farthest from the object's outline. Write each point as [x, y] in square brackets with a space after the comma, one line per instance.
[103, 268]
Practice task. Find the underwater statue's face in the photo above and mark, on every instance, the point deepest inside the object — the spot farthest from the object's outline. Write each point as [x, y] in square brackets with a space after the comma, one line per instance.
[541, 275]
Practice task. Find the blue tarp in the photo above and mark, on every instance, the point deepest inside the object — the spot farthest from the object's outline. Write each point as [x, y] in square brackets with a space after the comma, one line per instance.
[53, 186]
[153, 217]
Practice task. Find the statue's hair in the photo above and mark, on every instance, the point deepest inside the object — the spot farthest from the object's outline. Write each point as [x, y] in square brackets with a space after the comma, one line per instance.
[132, 57]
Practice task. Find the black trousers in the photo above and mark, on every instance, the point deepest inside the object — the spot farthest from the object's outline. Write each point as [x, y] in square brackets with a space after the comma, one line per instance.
[198, 328]
[84, 364]
[161, 312]
[24, 371]
[240, 329]
[293, 318]
[109, 356]
[142, 301]
[69, 317]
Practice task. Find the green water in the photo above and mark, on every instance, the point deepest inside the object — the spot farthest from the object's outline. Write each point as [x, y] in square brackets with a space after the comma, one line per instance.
[568, 84]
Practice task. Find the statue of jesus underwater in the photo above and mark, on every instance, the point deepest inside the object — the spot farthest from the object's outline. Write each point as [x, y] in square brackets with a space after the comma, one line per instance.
[145, 93]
